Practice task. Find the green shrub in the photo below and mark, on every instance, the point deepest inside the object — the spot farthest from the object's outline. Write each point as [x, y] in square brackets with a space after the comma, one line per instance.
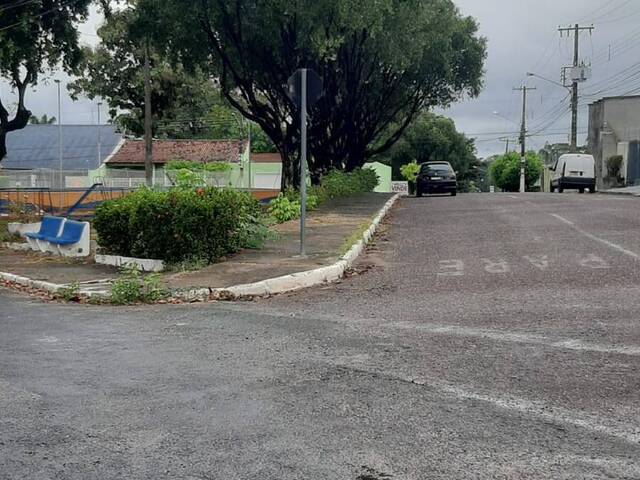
[133, 287]
[282, 209]
[614, 166]
[70, 293]
[198, 166]
[334, 184]
[177, 225]
[410, 171]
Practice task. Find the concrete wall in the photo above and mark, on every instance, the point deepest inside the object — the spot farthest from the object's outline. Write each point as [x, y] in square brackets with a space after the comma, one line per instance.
[384, 176]
[613, 122]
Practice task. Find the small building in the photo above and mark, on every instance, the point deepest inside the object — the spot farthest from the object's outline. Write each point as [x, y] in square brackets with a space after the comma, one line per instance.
[614, 129]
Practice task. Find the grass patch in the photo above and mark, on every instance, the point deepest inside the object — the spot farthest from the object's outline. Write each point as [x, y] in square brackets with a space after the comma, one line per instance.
[133, 287]
[352, 239]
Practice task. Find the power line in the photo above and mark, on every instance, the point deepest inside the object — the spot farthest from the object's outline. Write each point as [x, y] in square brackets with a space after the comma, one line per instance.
[19, 3]
[42, 14]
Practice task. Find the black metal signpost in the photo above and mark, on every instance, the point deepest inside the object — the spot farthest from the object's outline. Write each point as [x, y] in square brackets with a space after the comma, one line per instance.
[305, 88]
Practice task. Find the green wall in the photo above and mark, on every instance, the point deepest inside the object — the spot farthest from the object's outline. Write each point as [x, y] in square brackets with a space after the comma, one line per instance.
[384, 174]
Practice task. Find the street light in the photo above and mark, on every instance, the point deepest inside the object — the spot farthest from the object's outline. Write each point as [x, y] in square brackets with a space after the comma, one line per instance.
[529, 74]
[60, 146]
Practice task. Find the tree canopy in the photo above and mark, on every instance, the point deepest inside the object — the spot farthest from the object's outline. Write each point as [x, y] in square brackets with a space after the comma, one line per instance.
[35, 37]
[184, 104]
[505, 171]
[44, 120]
[380, 66]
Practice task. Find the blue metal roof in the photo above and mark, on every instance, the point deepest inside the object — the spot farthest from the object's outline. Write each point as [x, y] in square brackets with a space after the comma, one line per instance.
[36, 146]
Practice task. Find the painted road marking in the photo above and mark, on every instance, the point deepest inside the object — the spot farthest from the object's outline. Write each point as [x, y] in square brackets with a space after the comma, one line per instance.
[451, 268]
[497, 268]
[458, 268]
[517, 337]
[541, 262]
[594, 262]
[562, 219]
[612, 245]
[612, 427]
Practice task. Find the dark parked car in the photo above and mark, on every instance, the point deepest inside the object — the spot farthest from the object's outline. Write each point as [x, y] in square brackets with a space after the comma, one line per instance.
[436, 177]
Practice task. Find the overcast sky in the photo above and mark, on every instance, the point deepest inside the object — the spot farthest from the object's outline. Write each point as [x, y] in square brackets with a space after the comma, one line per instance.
[523, 36]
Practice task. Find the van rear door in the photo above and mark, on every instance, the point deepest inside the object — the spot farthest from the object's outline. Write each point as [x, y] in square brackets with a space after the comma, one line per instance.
[579, 166]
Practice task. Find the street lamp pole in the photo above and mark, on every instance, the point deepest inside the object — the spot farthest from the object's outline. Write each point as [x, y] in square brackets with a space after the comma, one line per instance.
[99, 137]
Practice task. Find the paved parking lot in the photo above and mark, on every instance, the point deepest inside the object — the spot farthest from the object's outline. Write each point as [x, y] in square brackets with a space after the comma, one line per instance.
[487, 336]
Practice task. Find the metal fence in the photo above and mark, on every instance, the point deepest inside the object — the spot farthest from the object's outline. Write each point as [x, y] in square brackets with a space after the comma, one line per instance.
[112, 178]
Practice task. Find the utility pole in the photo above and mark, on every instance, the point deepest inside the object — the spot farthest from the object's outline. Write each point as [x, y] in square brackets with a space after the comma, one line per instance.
[576, 29]
[523, 136]
[148, 140]
[506, 150]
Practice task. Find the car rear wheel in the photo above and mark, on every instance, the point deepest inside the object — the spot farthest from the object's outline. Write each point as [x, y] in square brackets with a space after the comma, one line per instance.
[454, 193]
[581, 190]
[560, 189]
[418, 193]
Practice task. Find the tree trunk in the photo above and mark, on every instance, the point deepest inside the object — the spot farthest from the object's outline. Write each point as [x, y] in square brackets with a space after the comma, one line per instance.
[3, 143]
[290, 167]
[20, 121]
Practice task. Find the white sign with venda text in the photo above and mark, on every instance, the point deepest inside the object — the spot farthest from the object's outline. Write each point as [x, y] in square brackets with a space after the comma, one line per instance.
[400, 187]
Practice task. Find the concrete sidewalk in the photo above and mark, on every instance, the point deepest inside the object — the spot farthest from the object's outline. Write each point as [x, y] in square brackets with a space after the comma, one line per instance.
[330, 232]
[633, 191]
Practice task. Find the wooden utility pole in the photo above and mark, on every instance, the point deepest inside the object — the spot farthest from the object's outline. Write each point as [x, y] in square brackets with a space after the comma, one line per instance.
[523, 136]
[576, 29]
[148, 139]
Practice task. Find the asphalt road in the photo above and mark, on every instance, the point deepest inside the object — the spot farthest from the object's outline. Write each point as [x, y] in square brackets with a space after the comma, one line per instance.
[486, 336]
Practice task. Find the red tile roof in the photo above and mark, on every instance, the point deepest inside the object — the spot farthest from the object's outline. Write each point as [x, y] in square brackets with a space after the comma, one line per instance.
[266, 158]
[132, 151]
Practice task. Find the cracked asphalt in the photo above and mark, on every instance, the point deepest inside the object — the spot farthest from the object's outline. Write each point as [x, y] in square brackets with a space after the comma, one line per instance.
[482, 336]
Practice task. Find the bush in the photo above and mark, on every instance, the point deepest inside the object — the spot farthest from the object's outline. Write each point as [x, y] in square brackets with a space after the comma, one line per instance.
[282, 209]
[614, 166]
[198, 166]
[177, 225]
[334, 184]
[505, 171]
[132, 287]
[410, 171]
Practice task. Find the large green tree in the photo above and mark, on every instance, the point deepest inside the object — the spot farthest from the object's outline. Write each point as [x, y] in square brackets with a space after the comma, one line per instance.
[505, 171]
[431, 138]
[35, 37]
[381, 64]
[185, 104]
[114, 71]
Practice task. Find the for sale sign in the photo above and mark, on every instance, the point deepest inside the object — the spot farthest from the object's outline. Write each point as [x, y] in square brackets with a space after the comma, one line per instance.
[400, 187]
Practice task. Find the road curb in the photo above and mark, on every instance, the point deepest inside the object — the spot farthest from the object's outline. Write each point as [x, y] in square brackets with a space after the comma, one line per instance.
[620, 194]
[294, 281]
[263, 288]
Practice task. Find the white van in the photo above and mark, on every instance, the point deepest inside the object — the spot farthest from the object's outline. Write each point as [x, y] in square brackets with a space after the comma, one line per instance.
[574, 171]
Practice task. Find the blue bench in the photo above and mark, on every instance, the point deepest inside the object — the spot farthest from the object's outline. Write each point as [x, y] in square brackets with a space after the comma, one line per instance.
[62, 236]
[49, 227]
[71, 233]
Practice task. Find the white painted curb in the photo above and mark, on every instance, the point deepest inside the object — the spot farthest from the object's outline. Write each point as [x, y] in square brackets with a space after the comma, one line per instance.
[49, 287]
[295, 281]
[143, 264]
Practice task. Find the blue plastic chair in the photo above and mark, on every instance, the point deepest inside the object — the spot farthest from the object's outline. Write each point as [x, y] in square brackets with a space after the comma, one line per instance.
[71, 233]
[49, 227]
